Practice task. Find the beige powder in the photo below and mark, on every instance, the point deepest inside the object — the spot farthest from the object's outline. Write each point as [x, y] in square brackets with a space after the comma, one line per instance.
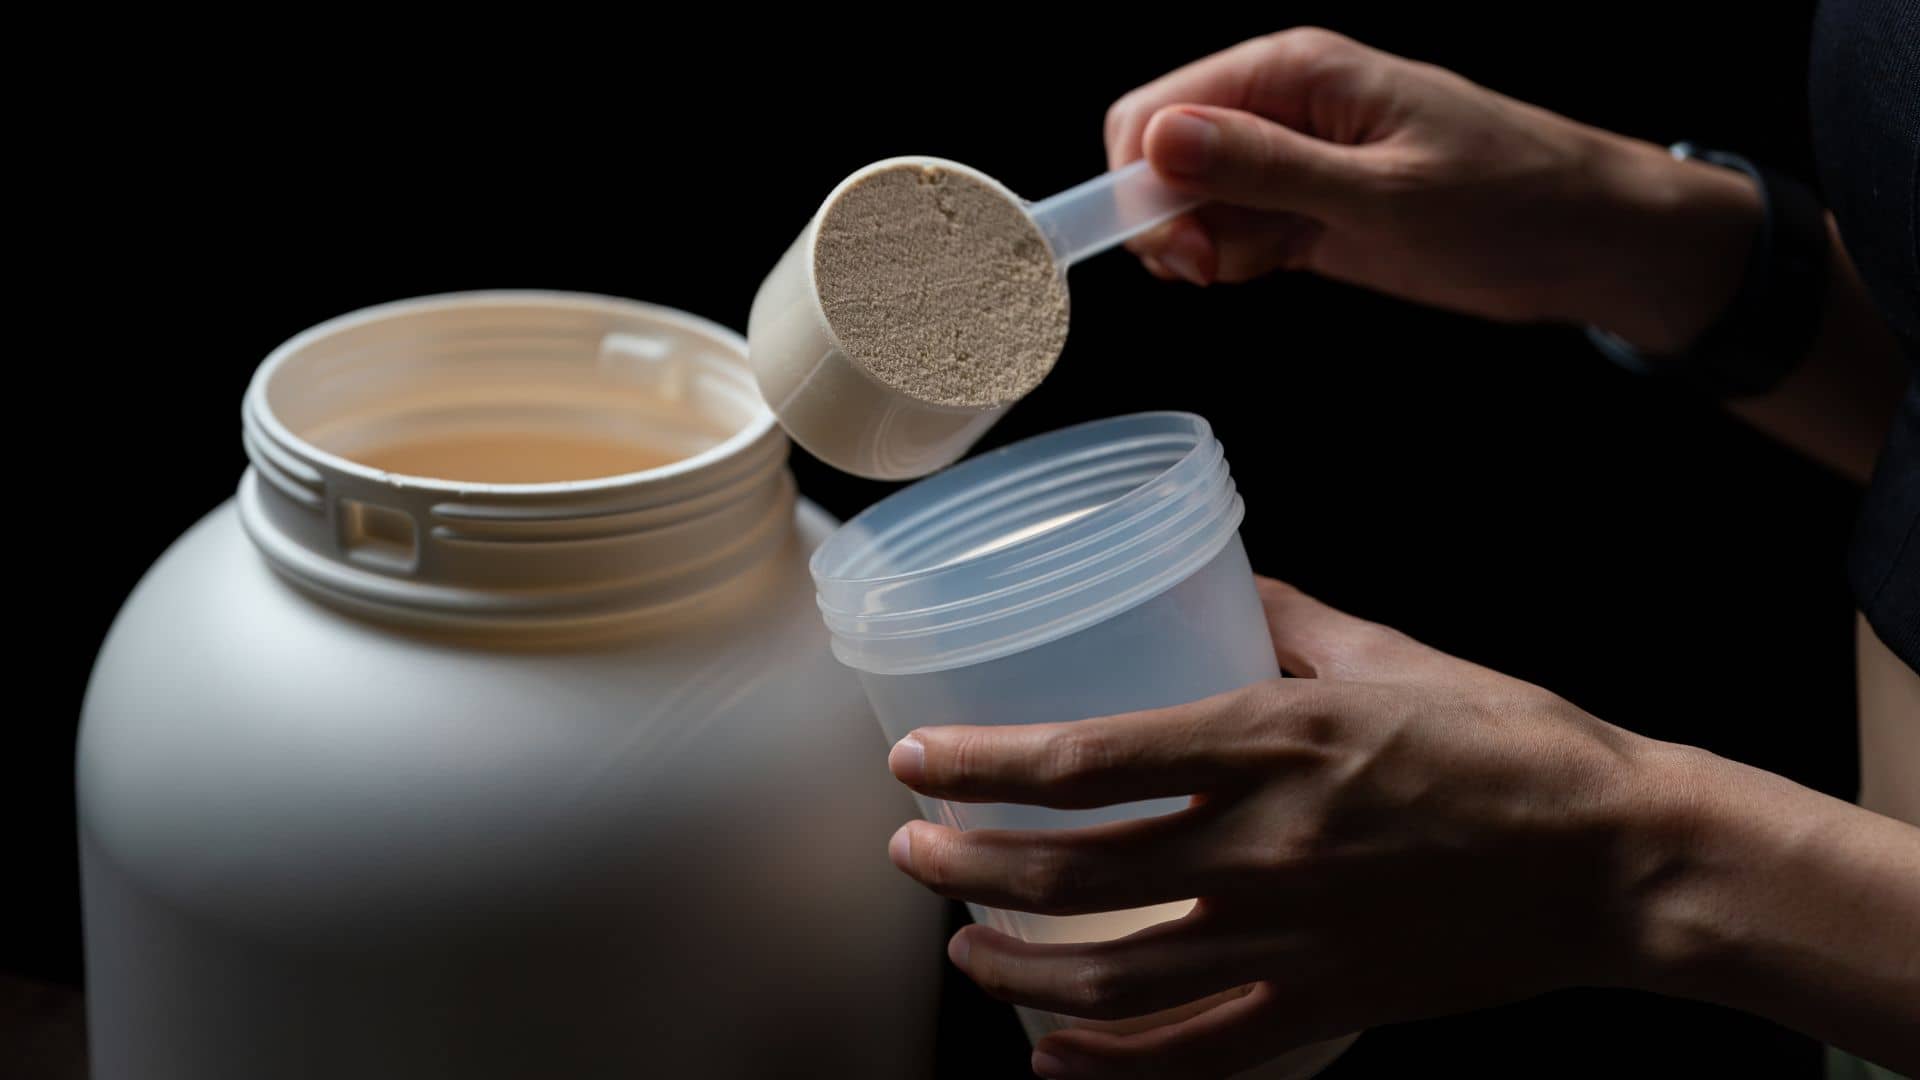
[940, 286]
[525, 457]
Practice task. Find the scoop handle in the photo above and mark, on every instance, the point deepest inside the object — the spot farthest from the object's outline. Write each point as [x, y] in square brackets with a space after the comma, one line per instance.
[1106, 211]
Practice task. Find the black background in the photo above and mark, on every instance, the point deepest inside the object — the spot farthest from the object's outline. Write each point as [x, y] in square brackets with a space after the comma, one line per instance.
[1500, 492]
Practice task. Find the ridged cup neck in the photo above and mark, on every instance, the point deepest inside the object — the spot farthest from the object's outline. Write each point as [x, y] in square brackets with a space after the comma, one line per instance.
[567, 552]
[1026, 544]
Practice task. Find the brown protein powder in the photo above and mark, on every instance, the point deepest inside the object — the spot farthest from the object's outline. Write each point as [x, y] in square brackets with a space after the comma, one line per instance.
[940, 286]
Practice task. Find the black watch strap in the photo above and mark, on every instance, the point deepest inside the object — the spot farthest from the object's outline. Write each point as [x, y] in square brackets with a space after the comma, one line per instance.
[1770, 325]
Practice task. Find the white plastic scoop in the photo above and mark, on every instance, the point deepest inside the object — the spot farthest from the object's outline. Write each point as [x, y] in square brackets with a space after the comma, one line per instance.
[840, 414]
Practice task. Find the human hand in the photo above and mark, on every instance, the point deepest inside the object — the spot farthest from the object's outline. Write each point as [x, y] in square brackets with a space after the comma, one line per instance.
[1397, 834]
[1319, 153]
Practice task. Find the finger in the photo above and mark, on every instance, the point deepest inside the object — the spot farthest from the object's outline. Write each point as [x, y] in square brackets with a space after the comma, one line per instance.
[1187, 251]
[1244, 1031]
[1180, 750]
[1224, 78]
[1288, 76]
[1233, 156]
[1224, 243]
[1161, 967]
[1150, 241]
[1153, 267]
[1110, 867]
[1252, 243]
[1316, 641]
[1149, 244]
[1181, 246]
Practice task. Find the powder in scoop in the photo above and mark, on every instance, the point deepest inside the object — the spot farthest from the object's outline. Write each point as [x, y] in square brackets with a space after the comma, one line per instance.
[940, 286]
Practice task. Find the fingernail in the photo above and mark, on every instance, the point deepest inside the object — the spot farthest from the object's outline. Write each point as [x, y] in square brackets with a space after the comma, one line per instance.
[1184, 143]
[1048, 1067]
[957, 949]
[908, 760]
[900, 849]
[1183, 264]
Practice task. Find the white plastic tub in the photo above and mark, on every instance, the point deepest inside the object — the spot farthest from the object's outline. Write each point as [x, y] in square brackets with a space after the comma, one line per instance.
[426, 777]
[1094, 570]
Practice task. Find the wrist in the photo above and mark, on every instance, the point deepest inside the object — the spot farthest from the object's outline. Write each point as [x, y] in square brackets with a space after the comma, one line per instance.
[1758, 894]
[1666, 880]
[1670, 244]
[1641, 873]
[1711, 839]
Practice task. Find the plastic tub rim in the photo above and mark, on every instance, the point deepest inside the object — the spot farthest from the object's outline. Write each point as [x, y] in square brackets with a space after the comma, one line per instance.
[884, 620]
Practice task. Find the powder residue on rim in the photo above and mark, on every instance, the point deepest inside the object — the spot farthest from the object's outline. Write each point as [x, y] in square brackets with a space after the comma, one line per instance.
[940, 286]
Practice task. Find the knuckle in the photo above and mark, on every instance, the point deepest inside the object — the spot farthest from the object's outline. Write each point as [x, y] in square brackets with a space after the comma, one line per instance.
[1301, 46]
[1308, 39]
[1400, 174]
[933, 860]
[1069, 756]
[1257, 148]
[1359, 647]
[1528, 699]
[965, 758]
[1299, 725]
[1318, 730]
[1050, 881]
[1095, 987]
[1372, 641]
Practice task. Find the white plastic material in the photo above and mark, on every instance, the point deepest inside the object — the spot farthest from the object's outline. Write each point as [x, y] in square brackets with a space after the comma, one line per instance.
[1106, 212]
[1090, 571]
[384, 776]
[845, 417]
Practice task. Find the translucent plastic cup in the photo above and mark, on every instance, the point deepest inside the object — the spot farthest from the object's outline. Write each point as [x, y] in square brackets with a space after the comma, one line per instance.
[1094, 570]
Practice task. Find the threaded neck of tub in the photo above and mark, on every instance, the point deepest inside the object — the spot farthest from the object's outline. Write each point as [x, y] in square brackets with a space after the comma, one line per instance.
[512, 459]
[1026, 544]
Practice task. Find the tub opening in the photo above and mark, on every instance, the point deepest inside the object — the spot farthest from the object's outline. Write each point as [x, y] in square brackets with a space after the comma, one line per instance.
[461, 400]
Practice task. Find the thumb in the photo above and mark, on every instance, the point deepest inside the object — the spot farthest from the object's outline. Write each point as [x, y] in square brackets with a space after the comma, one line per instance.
[1236, 157]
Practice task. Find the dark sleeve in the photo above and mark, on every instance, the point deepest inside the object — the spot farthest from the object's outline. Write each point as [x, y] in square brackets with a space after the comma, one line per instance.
[1864, 98]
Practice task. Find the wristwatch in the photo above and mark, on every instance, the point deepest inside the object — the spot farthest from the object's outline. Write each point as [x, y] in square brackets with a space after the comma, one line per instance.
[1770, 326]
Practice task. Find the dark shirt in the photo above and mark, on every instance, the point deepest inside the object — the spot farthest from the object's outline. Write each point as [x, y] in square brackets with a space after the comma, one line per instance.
[1864, 83]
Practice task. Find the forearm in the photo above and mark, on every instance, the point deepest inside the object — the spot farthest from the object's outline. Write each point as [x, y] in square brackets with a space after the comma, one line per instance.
[1679, 235]
[1774, 899]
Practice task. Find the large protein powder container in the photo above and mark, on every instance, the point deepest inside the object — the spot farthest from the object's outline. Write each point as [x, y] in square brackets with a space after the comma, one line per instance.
[489, 731]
